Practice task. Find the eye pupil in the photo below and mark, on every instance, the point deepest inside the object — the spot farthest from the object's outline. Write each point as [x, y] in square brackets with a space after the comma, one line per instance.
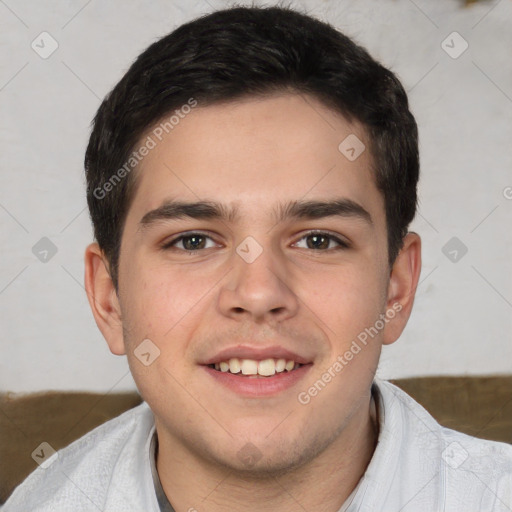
[194, 242]
[315, 239]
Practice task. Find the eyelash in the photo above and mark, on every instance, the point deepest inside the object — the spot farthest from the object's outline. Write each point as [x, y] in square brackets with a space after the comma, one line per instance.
[341, 244]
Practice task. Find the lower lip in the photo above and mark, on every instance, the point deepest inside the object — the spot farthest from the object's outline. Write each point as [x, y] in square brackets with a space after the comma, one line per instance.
[259, 386]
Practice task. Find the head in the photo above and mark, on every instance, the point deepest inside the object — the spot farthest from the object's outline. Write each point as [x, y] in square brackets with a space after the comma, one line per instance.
[302, 156]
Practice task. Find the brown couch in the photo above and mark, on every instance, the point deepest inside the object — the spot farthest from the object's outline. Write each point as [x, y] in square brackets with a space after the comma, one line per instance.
[479, 406]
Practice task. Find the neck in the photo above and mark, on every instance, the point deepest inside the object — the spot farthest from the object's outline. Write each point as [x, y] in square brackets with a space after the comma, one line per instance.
[322, 485]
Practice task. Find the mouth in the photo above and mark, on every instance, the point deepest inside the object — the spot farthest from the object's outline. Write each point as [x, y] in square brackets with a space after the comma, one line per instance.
[253, 368]
[257, 378]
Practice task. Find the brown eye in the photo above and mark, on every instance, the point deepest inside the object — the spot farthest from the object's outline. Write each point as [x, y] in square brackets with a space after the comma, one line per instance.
[193, 242]
[189, 242]
[318, 242]
[323, 241]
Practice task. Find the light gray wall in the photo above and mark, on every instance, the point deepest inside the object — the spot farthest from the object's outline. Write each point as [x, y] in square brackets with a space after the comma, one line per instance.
[462, 319]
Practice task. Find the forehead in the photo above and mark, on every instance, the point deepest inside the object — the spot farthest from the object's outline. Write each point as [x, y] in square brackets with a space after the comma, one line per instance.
[257, 152]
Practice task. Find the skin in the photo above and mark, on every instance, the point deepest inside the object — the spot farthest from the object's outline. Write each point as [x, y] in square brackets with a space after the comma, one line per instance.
[256, 153]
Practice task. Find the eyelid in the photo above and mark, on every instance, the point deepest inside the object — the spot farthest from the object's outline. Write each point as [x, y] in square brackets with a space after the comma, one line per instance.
[168, 244]
[342, 243]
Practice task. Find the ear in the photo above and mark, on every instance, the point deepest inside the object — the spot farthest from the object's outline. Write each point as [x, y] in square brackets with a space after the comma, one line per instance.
[103, 298]
[402, 287]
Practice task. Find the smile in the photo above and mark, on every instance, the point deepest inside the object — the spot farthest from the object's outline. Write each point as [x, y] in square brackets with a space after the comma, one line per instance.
[244, 377]
[254, 368]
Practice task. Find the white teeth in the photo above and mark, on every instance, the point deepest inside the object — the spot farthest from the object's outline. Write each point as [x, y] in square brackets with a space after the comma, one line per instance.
[289, 365]
[280, 365]
[267, 367]
[234, 365]
[252, 367]
[249, 366]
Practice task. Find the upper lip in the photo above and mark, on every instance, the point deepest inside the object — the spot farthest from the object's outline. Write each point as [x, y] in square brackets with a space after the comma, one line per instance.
[257, 353]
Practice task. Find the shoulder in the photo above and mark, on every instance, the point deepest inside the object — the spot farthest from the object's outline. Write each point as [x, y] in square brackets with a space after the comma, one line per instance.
[482, 467]
[78, 476]
[467, 468]
[415, 418]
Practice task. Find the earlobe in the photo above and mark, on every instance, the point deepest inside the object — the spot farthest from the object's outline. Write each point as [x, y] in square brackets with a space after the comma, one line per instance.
[402, 287]
[103, 298]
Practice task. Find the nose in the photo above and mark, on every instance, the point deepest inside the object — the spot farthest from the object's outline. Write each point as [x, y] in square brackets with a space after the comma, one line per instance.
[259, 290]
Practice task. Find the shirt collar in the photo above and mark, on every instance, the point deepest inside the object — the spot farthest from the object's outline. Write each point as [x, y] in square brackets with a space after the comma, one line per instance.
[163, 502]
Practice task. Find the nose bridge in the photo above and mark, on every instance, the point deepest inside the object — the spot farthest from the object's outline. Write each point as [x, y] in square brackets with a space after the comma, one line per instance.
[257, 285]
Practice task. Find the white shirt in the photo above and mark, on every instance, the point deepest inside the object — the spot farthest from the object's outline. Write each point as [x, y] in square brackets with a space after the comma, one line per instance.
[417, 466]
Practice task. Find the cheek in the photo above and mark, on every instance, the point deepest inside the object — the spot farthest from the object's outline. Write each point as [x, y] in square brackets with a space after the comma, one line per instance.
[157, 307]
[156, 301]
[166, 307]
[345, 299]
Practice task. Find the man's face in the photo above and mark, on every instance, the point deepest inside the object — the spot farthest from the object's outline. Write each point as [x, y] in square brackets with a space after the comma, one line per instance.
[256, 286]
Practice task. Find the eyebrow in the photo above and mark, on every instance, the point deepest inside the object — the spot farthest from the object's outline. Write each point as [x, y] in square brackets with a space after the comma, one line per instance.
[211, 210]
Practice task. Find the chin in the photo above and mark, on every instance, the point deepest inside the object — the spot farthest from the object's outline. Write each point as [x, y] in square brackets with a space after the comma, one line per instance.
[263, 456]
